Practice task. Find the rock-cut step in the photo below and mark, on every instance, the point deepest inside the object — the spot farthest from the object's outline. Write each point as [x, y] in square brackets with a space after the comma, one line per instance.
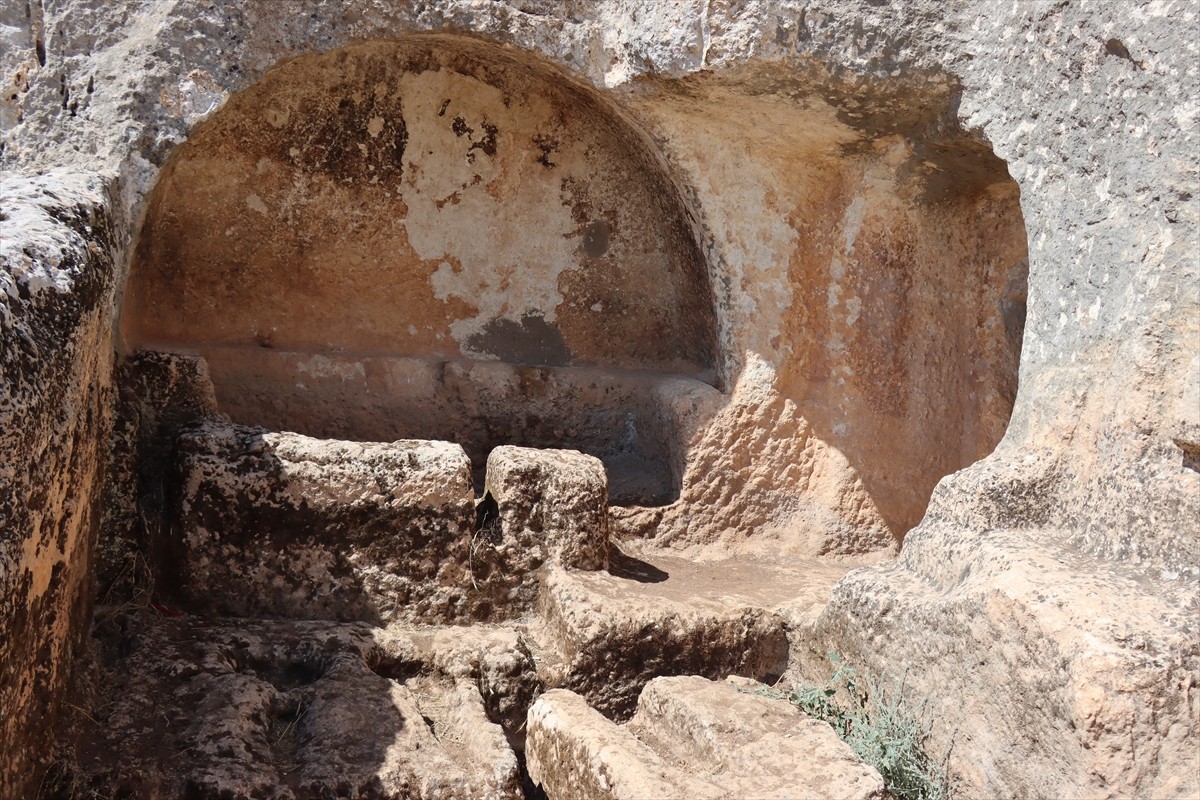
[287, 710]
[271, 524]
[692, 739]
[606, 633]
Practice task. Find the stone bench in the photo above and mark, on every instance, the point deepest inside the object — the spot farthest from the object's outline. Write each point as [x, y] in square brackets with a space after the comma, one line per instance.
[283, 525]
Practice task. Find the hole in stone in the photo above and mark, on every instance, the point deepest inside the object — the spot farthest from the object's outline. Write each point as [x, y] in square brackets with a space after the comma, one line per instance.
[292, 672]
[395, 668]
[487, 515]
[1115, 47]
[285, 731]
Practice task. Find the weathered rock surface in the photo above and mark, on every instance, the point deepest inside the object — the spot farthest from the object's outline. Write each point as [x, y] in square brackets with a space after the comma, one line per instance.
[1016, 637]
[605, 634]
[840, 176]
[56, 291]
[279, 524]
[550, 504]
[204, 709]
[692, 738]
[828, 319]
[497, 659]
[508, 204]
[158, 394]
[283, 525]
[575, 752]
[759, 479]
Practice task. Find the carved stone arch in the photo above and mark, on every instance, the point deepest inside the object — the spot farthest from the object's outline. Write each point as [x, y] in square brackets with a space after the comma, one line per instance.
[383, 240]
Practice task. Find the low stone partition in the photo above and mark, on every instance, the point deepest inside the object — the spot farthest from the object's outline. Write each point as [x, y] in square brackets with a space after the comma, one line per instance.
[635, 421]
[692, 739]
[555, 500]
[273, 524]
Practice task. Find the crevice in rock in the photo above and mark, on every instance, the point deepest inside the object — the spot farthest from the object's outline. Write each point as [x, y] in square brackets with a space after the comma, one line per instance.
[1191, 454]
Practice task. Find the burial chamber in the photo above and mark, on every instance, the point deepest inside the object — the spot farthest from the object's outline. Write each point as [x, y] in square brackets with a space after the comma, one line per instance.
[861, 271]
[437, 237]
[431, 237]
[779, 309]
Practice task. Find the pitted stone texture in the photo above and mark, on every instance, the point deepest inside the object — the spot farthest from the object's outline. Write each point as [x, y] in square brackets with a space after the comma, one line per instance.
[765, 746]
[575, 753]
[1079, 665]
[693, 738]
[496, 659]
[605, 634]
[552, 501]
[279, 524]
[158, 394]
[1108, 383]
[281, 710]
[56, 289]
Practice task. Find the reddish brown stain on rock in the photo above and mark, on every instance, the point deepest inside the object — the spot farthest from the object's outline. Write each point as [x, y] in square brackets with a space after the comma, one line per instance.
[428, 197]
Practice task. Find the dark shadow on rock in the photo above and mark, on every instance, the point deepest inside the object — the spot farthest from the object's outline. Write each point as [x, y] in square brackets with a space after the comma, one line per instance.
[210, 708]
[625, 566]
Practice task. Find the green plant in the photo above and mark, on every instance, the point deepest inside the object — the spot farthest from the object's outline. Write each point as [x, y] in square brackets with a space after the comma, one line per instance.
[881, 726]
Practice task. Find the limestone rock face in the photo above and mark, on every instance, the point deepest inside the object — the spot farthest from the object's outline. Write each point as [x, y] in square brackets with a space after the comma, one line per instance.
[289, 710]
[551, 501]
[692, 738]
[279, 524]
[507, 206]
[1077, 654]
[56, 291]
[825, 275]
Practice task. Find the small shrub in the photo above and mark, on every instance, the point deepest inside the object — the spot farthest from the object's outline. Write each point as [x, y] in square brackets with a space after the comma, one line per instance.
[880, 726]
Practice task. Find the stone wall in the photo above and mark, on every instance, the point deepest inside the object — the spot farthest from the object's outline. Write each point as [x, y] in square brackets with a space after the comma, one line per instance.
[56, 325]
[433, 196]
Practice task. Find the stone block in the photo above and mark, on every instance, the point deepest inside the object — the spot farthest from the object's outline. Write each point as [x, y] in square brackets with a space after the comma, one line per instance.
[692, 738]
[617, 630]
[575, 753]
[554, 501]
[762, 743]
[278, 524]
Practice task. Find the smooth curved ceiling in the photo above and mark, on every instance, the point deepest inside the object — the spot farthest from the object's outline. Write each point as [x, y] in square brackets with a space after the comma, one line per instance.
[434, 196]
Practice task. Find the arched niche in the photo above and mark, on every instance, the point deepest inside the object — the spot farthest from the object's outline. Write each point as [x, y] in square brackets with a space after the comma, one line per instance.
[429, 237]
